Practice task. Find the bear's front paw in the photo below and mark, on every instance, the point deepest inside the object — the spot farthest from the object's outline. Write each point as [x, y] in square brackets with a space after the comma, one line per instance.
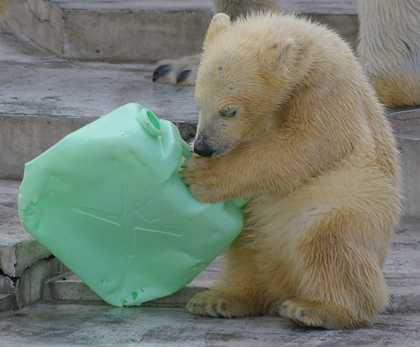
[201, 182]
[181, 72]
[215, 304]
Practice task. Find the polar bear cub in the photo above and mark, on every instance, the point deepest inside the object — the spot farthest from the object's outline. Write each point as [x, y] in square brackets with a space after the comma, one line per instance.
[288, 121]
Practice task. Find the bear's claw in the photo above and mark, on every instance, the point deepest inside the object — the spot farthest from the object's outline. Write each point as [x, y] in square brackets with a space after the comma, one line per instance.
[160, 71]
[215, 304]
[183, 76]
[319, 315]
[180, 72]
[301, 315]
[209, 304]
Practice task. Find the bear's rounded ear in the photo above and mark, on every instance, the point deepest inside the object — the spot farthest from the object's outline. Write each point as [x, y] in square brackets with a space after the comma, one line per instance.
[219, 23]
[277, 54]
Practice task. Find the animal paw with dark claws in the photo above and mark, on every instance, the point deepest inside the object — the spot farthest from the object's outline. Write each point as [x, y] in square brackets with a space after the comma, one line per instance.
[180, 72]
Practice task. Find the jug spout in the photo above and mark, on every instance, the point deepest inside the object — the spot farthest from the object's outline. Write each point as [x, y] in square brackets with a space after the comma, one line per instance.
[150, 122]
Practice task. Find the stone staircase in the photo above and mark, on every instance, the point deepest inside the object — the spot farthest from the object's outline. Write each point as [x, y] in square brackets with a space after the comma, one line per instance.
[144, 31]
[45, 96]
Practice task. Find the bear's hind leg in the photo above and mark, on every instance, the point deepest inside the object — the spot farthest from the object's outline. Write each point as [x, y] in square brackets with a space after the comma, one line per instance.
[338, 265]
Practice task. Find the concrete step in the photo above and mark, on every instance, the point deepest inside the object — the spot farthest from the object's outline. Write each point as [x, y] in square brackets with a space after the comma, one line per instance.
[68, 288]
[406, 125]
[144, 31]
[25, 265]
[7, 302]
[18, 250]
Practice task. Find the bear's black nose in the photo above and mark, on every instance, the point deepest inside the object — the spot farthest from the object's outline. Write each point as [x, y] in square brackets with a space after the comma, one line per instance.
[203, 148]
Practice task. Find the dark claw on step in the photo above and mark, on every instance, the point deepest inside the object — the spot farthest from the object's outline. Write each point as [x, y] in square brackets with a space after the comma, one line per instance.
[183, 75]
[161, 70]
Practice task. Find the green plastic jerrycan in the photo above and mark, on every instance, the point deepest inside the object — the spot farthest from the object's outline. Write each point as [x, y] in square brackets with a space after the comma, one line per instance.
[108, 202]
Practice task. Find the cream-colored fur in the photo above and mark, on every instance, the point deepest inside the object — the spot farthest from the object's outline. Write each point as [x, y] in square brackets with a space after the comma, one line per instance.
[237, 8]
[4, 5]
[389, 49]
[288, 121]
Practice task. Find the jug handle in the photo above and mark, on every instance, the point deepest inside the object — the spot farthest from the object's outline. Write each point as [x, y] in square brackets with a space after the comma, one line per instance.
[186, 149]
[239, 202]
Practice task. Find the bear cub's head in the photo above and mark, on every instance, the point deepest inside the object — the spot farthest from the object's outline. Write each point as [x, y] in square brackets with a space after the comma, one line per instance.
[237, 87]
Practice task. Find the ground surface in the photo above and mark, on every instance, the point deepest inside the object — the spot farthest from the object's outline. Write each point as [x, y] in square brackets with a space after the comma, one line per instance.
[101, 325]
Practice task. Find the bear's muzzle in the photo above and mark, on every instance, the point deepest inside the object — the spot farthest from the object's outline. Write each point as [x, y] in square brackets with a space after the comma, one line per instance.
[203, 148]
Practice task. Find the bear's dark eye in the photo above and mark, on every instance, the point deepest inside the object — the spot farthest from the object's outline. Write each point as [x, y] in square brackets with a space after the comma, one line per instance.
[229, 112]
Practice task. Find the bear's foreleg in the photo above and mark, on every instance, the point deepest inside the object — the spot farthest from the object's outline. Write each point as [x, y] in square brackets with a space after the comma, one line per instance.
[237, 293]
[217, 303]
[269, 165]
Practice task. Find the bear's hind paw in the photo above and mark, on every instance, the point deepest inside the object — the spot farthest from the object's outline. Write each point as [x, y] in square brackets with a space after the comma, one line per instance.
[319, 315]
[180, 72]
